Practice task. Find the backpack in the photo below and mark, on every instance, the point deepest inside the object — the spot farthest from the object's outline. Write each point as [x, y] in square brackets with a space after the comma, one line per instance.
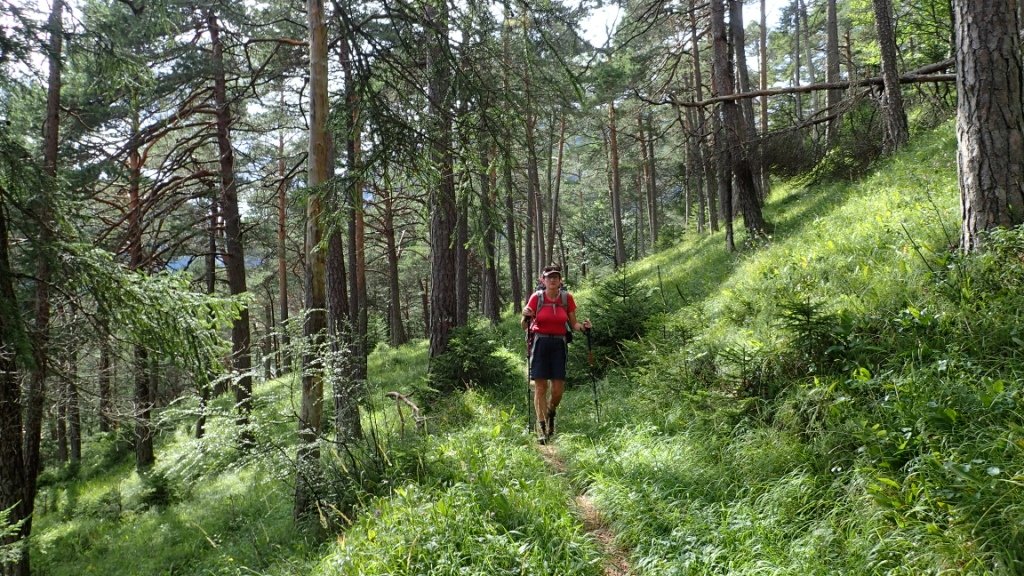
[564, 296]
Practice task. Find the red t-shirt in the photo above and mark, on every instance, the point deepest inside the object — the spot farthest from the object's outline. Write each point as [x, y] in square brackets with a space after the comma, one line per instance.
[550, 318]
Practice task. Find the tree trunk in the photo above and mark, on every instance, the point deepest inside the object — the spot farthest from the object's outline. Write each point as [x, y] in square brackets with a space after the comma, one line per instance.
[763, 72]
[694, 167]
[59, 423]
[515, 273]
[749, 136]
[812, 73]
[234, 247]
[284, 358]
[733, 126]
[74, 409]
[43, 206]
[491, 304]
[990, 119]
[796, 60]
[144, 455]
[515, 270]
[315, 325]
[556, 188]
[534, 191]
[15, 347]
[349, 389]
[704, 151]
[106, 395]
[896, 131]
[462, 271]
[343, 375]
[723, 180]
[832, 97]
[442, 198]
[644, 174]
[616, 188]
[395, 324]
[652, 185]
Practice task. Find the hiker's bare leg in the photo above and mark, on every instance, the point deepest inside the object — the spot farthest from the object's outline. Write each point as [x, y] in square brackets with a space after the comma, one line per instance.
[557, 387]
[540, 398]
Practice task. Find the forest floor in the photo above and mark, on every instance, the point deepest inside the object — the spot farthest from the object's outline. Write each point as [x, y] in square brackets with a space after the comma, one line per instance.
[616, 561]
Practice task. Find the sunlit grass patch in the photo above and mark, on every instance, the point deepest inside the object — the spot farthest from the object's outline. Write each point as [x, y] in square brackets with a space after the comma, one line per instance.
[486, 504]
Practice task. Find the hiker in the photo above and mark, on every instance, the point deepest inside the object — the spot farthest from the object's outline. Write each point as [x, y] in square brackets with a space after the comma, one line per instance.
[548, 315]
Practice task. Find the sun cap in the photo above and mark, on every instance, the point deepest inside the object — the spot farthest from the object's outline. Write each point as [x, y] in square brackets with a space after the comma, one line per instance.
[551, 270]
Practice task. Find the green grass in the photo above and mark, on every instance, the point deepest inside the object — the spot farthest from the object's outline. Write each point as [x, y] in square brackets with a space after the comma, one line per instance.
[842, 398]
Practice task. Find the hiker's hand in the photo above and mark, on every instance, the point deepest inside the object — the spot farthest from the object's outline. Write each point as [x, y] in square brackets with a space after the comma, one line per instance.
[528, 312]
[585, 326]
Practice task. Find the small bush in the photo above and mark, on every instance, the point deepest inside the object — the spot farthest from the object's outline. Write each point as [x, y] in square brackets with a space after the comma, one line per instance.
[471, 360]
[158, 490]
[622, 307]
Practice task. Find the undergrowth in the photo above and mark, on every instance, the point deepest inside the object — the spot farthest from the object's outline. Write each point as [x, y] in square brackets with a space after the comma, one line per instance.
[842, 399]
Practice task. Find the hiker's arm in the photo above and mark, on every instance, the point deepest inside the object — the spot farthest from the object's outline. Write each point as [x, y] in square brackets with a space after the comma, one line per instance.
[572, 322]
[528, 311]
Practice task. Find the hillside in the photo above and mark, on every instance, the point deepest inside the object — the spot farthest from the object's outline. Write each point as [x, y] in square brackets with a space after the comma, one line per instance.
[840, 398]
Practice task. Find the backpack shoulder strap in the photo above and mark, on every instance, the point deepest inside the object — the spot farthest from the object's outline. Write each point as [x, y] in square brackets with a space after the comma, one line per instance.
[565, 299]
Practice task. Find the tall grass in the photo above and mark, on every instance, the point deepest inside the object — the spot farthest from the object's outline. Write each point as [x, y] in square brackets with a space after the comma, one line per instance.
[844, 399]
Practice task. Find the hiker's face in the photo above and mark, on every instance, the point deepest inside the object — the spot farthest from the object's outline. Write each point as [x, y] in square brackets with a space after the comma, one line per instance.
[552, 280]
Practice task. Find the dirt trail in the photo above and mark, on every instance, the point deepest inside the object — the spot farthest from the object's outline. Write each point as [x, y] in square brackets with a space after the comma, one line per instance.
[615, 563]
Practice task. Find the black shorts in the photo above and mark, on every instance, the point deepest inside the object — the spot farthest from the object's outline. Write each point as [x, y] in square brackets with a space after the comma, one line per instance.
[547, 360]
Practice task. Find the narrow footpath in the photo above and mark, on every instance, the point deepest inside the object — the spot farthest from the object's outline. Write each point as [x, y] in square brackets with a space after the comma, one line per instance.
[615, 563]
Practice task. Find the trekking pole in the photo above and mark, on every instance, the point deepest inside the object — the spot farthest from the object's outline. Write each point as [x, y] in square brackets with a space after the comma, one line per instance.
[593, 378]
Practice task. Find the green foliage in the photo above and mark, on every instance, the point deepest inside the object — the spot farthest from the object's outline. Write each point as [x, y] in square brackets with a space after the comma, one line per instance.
[486, 505]
[471, 360]
[620, 307]
[10, 551]
[856, 146]
[158, 490]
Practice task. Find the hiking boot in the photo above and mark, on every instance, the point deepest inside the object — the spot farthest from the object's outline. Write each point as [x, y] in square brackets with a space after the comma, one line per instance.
[543, 436]
[551, 423]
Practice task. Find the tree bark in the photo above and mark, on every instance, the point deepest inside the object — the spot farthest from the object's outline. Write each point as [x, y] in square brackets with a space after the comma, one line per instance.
[59, 422]
[616, 188]
[796, 59]
[144, 454]
[653, 209]
[835, 95]
[733, 126]
[74, 410]
[104, 372]
[40, 335]
[990, 118]
[704, 146]
[488, 199]
[749, 136]
[515, 272]
[349, 389]
[14, 347]
[534, 191]
[234, 246]
[442, 197]
[556, 186]
[391, 248]
[763, 72]
[284, 352]
[896, 130]
[315, 325]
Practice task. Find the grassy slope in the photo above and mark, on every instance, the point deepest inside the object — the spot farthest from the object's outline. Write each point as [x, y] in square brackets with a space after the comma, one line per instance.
[902, 458]
[889, 462]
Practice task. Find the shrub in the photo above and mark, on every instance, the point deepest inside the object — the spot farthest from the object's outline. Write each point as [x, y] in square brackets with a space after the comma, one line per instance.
[158, 490]
[622, 307]
[471, 360]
